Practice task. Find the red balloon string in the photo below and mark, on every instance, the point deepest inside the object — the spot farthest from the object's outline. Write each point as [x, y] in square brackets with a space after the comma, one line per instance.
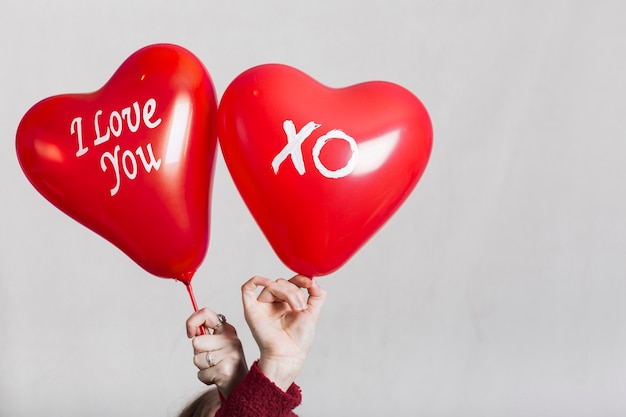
[193, 298]
[193, 302]
[186, 279]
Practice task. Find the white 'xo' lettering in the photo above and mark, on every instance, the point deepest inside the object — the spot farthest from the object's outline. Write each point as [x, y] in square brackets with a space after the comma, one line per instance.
[293, 149]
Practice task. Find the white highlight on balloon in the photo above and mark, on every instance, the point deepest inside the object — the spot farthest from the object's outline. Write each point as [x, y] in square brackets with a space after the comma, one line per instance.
[178, 131]
[374, 152]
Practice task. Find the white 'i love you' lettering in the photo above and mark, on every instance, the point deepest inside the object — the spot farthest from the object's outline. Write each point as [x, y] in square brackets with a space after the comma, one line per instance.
[124, 162]
[293, 149]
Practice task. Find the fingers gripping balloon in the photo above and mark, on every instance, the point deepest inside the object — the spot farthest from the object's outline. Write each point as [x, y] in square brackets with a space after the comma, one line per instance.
[321, 169]
[132, 161]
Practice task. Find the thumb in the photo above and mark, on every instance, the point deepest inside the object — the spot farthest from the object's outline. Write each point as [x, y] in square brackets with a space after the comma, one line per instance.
[317, 297]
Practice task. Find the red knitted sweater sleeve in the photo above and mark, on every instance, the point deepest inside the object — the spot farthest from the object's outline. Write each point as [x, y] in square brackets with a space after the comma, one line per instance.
[257, 396]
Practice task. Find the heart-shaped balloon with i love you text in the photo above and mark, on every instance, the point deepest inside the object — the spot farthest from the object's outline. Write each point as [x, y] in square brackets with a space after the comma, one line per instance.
[132, 161]
[321, 169]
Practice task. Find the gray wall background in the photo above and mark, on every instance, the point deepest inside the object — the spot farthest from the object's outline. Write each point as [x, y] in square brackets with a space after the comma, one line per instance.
[497, 289]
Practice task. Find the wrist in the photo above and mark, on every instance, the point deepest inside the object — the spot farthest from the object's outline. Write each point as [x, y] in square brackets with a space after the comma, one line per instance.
[233, 377]
[281, 371]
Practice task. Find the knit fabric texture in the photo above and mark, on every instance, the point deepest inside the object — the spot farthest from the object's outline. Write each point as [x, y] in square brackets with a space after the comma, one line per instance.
[257, 396]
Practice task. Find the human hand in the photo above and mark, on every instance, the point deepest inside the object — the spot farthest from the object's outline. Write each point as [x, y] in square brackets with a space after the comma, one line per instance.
[227, 366]
[282, 319]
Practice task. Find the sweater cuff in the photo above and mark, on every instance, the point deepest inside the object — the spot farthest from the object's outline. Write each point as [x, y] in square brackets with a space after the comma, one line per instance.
[292, 397]
[257, 395]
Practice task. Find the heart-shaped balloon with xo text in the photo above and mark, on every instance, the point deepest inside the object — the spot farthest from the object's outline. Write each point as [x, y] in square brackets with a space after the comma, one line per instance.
[132, 161]
[321, 169]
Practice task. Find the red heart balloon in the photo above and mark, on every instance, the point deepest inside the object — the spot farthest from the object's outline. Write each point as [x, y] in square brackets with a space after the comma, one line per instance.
[321, 169]
[134, 160]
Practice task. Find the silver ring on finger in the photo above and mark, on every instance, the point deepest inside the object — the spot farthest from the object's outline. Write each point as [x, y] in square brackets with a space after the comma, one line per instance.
[221, 319]
[209, 360]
